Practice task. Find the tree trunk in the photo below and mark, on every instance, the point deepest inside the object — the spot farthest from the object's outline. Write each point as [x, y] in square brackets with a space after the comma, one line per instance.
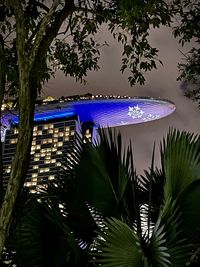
[2, 90]
[21, 159]
[28, 66]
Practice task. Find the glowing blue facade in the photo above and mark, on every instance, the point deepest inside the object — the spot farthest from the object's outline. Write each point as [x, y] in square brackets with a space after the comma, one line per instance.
[55, 127]
[105, 112]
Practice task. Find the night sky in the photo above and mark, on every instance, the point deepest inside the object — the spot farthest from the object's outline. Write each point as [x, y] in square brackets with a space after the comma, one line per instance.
[159, 83]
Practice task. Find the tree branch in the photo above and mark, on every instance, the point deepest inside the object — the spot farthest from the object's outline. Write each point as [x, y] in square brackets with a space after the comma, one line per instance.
[51, 33]
[21, 34]
[42, 32]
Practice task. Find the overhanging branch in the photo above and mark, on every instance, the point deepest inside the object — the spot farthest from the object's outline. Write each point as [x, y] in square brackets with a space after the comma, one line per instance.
[21, 34]
[42, 32]
[52, 31]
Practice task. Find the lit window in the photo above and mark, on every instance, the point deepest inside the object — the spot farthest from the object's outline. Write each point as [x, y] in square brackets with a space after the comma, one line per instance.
[13, 141]
[67, 134]
[54, 149]
[50, 126]
[33, 143]
[50, 131]
[43, 170]
[15, 131]
[39, 132]
[53, 160]
[34, 179]
[61, 206]
[55, 135]
[35, 167]
[35, 129]
[42, 155]
[66, 138]
[60, 144]
[88, 135]
[72, 133]
[33, 191]
[37, 147]
[59, 152]
[58, 163]
[47, 161]
[28, 184]
[44, 141]
[51, 177]
[7, 170]
[36, 159]
[45, 127]
[60, 134]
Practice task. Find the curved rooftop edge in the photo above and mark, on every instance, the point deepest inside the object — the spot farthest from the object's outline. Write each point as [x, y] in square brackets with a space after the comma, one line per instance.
[103, 112]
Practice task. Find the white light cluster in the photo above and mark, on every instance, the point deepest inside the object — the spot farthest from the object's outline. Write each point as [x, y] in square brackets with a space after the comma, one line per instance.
[151, 117]
[137, 113]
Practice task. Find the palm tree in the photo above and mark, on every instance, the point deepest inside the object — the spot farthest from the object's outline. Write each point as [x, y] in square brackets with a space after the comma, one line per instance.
[173, 238]
[100, 212]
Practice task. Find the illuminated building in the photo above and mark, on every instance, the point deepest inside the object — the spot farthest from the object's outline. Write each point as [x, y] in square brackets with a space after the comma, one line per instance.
[56, 125]
[50, 139]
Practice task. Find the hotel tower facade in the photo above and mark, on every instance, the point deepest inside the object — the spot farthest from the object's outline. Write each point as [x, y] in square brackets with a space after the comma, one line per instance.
[57, 124]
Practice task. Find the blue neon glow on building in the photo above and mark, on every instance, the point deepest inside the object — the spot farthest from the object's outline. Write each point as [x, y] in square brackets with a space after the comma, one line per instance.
[105, 112]
[48, 116]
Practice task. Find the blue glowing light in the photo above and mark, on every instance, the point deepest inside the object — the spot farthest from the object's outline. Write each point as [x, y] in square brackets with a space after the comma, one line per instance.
[47, 116]
[122, 111]
[105, 112]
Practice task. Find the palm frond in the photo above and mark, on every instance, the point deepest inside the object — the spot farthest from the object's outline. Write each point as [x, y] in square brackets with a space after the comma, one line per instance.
[106, 182]
[118, 246]
[180, 160]
[189, 212]
[179, 248]
[157, 252]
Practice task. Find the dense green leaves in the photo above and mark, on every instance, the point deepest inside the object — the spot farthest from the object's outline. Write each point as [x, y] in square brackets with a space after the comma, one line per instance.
[129, 22]
[175, 235]
[109, 181]
[76, 51]
[187, 13]
[43, 239]
[100, 213]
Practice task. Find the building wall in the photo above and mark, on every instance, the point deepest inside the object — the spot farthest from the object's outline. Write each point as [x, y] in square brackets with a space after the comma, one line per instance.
[52, 143]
